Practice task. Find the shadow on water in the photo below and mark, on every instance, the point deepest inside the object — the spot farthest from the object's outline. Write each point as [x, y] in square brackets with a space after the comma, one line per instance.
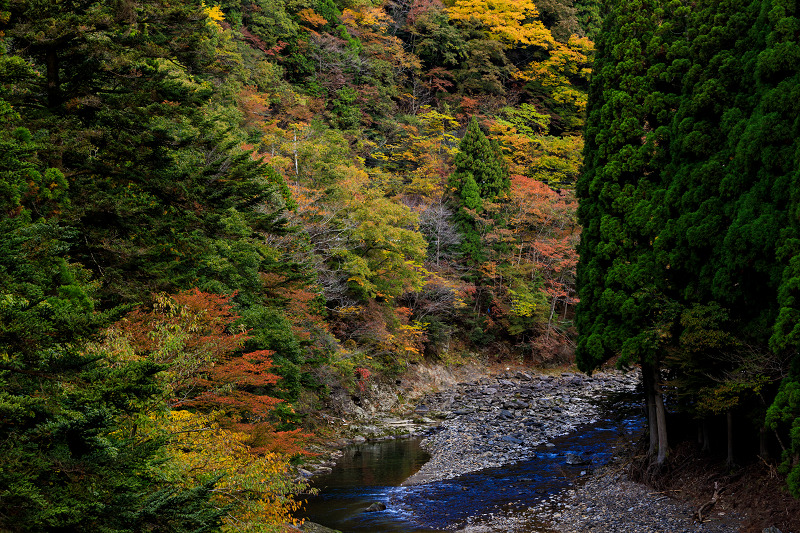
[372, 473]
[365, 474]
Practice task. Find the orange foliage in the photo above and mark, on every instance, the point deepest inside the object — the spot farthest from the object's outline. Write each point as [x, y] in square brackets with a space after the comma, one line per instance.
[311, 18]
[193, 333]
[547, 233]
[206, 317]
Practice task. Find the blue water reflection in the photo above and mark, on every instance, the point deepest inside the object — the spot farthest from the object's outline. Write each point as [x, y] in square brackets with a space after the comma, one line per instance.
[372, 473]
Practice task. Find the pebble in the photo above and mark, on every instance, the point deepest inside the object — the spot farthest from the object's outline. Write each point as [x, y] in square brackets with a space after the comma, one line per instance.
[497, 422]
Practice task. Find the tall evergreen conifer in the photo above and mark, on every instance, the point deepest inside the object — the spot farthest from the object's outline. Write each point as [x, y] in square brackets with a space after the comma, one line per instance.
[480, 176]
[71, 458]
[624, 309]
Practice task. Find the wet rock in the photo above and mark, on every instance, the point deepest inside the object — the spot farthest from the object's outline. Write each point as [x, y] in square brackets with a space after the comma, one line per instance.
[576, 459]
[375, 507]
[493, 426]
[359, 439]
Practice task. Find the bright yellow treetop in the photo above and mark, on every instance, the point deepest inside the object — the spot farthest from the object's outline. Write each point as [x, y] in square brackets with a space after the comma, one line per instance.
[512, 22]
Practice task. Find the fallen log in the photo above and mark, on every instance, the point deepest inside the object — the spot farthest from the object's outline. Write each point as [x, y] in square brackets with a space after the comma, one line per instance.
[706, 508]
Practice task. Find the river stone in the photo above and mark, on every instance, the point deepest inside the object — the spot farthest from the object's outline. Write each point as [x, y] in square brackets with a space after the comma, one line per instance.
[771, 529]
[359, 440]
[576, 459]
[551, 407]
[311, 527]
[377, 506]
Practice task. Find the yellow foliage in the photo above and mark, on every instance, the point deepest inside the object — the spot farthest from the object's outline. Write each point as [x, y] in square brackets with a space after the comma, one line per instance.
[312, 18]
[353, 310]
[367, 15]
[215, 15]
[257, 489]
[566, 61]
[509, 21]
[522, 304]
[517, 147]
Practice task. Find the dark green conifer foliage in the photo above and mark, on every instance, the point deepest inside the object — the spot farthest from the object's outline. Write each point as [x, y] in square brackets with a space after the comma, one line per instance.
[713, 278]
[479, 158]
[590, 15]
[71, 458]
[689, 204]
[625, 304]
[163, 196]
[775, 141]
[622, 300]
[480, 176]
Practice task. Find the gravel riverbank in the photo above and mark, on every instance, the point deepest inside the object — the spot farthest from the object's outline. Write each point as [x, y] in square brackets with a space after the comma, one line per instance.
[608, 503]
[504, 419]
[499, 421]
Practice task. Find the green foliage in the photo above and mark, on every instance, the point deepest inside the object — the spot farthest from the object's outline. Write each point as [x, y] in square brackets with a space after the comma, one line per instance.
[689, 204]
[624, 306]
[270, 330]
[147, 148]
[72, 460]
[387, 250]
[526, 119]
[785, 411]
[590, 14]
[480, 175]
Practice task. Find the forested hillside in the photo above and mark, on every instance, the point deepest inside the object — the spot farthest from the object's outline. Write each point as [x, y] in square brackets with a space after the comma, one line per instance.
[689, 204]
[212, 214]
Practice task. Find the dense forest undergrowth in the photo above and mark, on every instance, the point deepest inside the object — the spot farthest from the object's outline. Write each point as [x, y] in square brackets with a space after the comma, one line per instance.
[214, 214]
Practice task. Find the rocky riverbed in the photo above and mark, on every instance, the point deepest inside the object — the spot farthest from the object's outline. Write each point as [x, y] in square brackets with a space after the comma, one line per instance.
[500, 420]
[607, 502]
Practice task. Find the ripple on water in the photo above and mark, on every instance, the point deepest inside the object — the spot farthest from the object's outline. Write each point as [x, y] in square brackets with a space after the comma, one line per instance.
[372, 472]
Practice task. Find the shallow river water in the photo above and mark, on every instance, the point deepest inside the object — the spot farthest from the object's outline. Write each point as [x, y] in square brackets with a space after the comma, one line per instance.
[373, 472]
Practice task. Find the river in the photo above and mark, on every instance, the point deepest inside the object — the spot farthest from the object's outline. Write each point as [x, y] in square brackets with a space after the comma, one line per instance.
[373, 472]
